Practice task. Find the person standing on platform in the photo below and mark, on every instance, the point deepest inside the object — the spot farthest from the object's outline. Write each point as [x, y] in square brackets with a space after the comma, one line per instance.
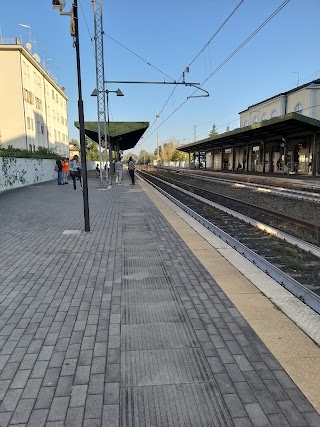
[118, 170]
[75, 172]
[131, 168]
[65, 171]
[58, 168]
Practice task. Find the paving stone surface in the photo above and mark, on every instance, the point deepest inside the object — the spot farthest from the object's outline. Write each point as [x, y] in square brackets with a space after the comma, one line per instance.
[123, 326]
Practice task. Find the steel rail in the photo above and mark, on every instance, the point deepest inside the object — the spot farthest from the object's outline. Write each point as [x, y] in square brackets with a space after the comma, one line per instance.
[278, 215]
[285, 192]
[299, 290]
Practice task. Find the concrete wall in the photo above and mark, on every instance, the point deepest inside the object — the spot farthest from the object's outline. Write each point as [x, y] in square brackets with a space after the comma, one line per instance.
[15, 172]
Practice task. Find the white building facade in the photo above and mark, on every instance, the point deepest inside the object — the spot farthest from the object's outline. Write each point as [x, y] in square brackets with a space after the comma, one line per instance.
[33, 108]
[303, 100]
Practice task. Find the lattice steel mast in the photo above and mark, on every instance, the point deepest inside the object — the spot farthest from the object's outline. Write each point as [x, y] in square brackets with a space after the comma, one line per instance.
[100, 83]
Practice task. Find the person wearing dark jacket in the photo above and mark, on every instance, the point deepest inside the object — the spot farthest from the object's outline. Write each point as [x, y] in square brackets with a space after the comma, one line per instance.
[58, 168]
[131, 168]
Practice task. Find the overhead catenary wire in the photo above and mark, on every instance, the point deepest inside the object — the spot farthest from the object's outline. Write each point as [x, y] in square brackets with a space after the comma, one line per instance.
[216, 33]
[138, 56]
[85, 20]
[229, 57]
[198, 54]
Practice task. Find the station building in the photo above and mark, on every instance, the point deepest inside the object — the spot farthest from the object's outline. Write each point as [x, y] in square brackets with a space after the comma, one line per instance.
[278, 135]
[33, 108]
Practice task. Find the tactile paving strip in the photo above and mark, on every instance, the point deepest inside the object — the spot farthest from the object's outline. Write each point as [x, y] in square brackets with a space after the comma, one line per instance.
[169, 366]
[157, 336]
[156, 270]
[147, 296]
[153, 313]
[157, 282]
[143, 260]
[182, 405]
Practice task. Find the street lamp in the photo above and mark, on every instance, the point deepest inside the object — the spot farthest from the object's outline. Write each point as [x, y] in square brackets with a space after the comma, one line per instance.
[74, 31]
[27, 26]
[118, 92]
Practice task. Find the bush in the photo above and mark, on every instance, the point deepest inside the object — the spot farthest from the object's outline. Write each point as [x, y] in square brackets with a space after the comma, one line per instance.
[41, 153]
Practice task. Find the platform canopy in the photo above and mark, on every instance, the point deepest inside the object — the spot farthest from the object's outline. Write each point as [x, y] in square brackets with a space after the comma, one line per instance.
[123, 134]
[289, 126]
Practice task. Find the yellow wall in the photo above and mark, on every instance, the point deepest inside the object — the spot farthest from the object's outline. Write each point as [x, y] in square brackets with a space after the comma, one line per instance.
[41, 123]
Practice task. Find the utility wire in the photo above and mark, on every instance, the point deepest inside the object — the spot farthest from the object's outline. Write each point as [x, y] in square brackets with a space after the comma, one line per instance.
[231, 55]
[210, 40]
[84, 17]
[247, 40]
[218, 30]
[138, 56]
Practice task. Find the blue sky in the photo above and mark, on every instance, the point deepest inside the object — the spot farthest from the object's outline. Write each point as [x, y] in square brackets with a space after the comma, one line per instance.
[168, 35]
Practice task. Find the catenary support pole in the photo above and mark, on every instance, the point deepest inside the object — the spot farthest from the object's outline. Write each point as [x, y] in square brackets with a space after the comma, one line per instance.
[81, 124]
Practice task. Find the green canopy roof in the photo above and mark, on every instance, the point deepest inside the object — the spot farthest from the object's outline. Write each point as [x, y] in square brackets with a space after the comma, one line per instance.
[126, 134]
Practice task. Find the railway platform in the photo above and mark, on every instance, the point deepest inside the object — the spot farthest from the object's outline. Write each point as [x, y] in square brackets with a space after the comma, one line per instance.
[305, 181]
[143, 321]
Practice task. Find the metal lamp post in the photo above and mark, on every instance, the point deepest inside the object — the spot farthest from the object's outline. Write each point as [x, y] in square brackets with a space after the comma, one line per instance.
[74, 30]
[118, 92]
[30, 33]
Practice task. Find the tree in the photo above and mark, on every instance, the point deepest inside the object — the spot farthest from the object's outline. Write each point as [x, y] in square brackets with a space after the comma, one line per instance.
[127, 155]
[144, 157]
[74, 142]
[213, 131]
[92, 150]
[169, 151]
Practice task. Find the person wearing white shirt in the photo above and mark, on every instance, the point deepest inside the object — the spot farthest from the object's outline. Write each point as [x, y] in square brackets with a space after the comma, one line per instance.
[75, 172]
[118, 169]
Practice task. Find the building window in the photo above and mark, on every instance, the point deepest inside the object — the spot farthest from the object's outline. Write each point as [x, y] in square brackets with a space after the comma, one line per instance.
[62, 121]
[30, 147]
[52, 94]
[34, 148]
[42, 129]
[263, 117]
[54, 115]
[246, 123]
[28, 96]
[38, 103]
[38, 126]
[298, 108]
[57, 100]
[255, 119]
[32, 127]
[28, 122]
[274, 114]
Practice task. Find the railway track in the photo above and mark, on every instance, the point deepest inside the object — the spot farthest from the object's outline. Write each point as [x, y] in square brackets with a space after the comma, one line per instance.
[295, 265]
[297, 217]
